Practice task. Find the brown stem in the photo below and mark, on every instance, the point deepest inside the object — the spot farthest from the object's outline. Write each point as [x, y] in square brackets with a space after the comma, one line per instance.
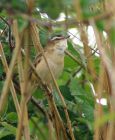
[13, 91]
[7, 83]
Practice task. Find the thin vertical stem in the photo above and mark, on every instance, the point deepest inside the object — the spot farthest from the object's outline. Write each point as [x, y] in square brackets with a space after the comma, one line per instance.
[23, 73]
[13, 91]
[7, 83]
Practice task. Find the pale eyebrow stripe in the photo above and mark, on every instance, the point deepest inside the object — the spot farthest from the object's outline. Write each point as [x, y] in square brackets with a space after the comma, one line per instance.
[57, 38]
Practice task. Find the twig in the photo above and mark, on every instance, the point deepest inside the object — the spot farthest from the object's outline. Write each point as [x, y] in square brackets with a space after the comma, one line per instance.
[9, 34]
[71, 22]
[25, 93]
[10, 72]
[23, 77]
[12, 86]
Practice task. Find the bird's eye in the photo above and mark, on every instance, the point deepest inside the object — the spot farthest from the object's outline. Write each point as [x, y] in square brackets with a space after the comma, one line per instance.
[59, 35]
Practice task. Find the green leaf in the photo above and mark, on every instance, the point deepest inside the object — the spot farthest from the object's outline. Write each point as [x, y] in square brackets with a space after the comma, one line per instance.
[63, 78]
[4, 133]
[9, 127]
[12, 117]
[41, 125]
[84, 99]
[66, 93]
[2, 24]
[69, 64]
[39, 94]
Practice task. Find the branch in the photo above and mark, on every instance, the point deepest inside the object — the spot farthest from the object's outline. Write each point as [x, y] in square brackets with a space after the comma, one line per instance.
[70, 22]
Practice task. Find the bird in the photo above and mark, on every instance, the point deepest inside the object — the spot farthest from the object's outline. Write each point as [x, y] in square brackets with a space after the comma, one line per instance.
[54, 53]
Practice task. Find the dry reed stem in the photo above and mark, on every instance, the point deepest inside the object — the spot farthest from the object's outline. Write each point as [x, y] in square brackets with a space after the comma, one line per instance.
[51, 129]
[23, 76]
[111, 73]
[21, 81]
[13, 91]
[103, 53]
[20, 124]
[111, 126]
[11, 68]
[26, 93]
[84, 38]
[98, 107]
[26, 124]
[77, 7]
[106, 60]
[58, 123]
[20, 72]
[87, 52]
[34, 38]
[34, 29]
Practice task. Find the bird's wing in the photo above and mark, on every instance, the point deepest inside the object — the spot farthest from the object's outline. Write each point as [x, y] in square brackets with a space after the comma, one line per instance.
[36, 61]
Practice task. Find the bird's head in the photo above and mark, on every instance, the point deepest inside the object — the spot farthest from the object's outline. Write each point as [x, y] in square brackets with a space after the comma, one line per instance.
[58, 43]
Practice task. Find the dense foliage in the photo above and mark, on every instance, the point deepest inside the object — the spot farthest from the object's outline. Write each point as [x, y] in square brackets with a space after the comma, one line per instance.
[85, 79]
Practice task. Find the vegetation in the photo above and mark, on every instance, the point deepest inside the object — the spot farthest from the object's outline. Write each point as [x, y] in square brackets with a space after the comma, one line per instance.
[74, 111]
